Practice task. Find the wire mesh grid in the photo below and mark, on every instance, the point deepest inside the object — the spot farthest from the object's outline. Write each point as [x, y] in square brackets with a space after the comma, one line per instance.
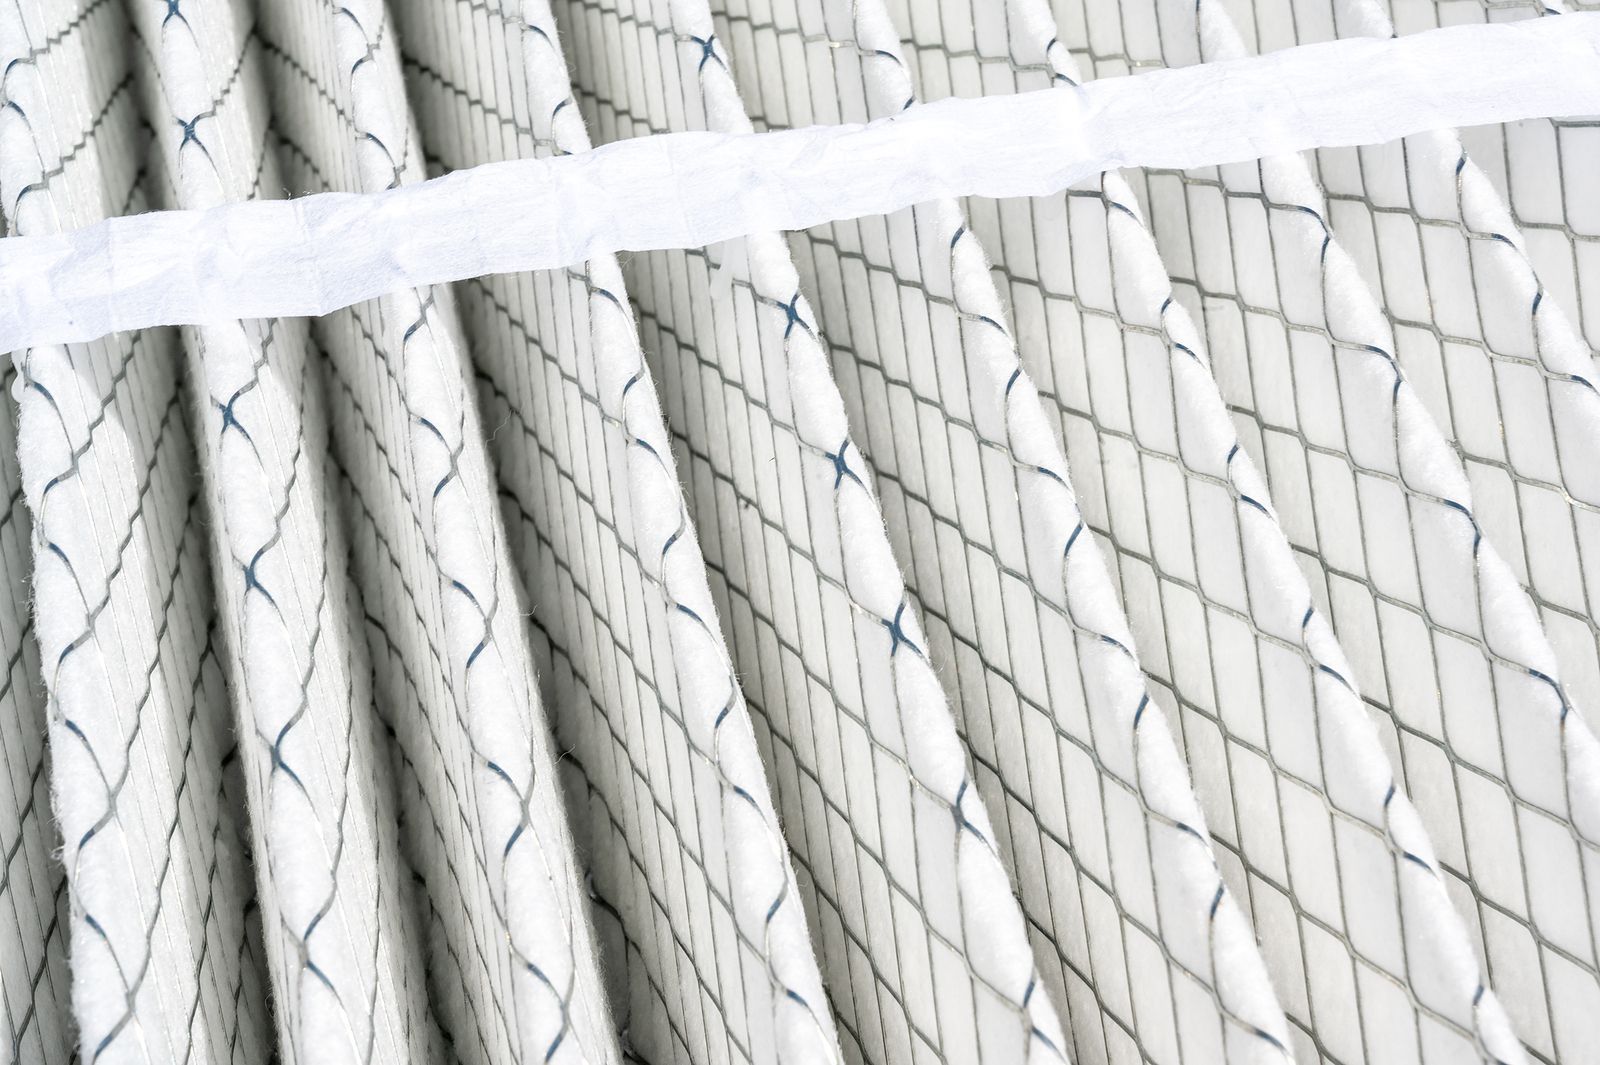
[1207, 242]
[146, 786]
[1018, 239]
[1512, 387]
[488, 848]
[665, 801]
[33, 886]
[875, 825]
[910, 355]
[321, 790]
[645, 761]
[736, 371]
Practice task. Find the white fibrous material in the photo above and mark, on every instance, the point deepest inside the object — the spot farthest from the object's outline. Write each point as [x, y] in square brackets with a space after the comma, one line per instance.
[838, 533]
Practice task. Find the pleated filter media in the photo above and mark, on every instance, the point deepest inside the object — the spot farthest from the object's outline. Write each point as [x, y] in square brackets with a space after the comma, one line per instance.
[882, 532]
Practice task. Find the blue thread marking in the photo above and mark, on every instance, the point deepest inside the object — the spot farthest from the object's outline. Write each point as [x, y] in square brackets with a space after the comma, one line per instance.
[1254, 503]
[411, 330]
[1477, 532]
[897, 634]
[1269, 1037]
[464, 590]
[1303, 209]
[512, 840]
[1071, 540]
[1189, 830]
[1408, 856]
[1114, 642]
[792, 311]
[841, 468]
[708, 51]
[1555, 687]
[277, 758]
[253, 583]
[311, 966]
[1336, 675]
[962, 824]
[230, 419]
[494, 767]
[1046, 1040]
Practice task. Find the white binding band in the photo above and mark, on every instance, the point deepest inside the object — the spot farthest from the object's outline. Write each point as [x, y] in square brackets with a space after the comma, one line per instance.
[318, 253]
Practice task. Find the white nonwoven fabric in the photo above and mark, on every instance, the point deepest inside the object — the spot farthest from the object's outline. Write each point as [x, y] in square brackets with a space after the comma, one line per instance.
[315, 255]
[1142, 618]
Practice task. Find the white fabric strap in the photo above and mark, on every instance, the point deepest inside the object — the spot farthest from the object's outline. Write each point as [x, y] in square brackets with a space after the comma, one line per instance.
[315, 254]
